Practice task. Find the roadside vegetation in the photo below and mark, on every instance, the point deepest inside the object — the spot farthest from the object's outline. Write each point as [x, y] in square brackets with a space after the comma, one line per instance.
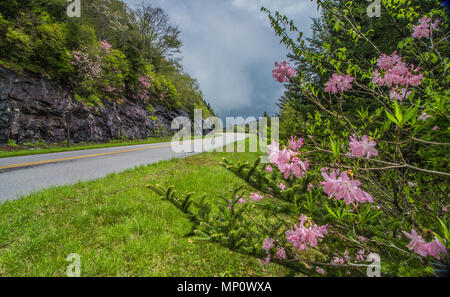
[121, 228]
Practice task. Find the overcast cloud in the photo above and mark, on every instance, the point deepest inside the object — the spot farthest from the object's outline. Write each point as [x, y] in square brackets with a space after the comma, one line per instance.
[229, 46]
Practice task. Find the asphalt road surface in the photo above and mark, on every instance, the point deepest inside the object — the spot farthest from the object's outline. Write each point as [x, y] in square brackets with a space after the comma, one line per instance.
[27, 174]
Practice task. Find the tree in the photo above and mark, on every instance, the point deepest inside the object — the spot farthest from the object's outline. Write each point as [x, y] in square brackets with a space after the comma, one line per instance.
[160, 39]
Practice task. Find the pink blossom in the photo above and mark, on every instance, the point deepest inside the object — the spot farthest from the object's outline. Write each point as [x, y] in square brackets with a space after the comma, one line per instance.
[309, 187]
[435, 248]
[302, 237]
[268, 244]
[320, 271]
[339, 83]
[287, 162]
[281, 253]
[362, 238]
[399, 95]
[435, 128]
[397, 74]
[337, 261]
[256, 197]
[346, 256]
[344, 188]
[422, 248]
[425, 28]
[282, 187]
[444, 209]
[283, 72]
[241, 201]
[265, 261]
[106, 46]
[144, 81]
[360, 256]
[295, 144]
[269, 168]
[364, 147]
[424, 116]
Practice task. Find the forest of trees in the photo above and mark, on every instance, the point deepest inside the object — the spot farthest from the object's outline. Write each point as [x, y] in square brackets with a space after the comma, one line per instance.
[111, 52]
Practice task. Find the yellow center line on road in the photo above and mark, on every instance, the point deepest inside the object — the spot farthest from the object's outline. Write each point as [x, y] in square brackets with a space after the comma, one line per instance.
[84, 156]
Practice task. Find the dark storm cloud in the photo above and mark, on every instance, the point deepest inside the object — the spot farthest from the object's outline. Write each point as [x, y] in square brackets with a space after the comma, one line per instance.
[229, 46]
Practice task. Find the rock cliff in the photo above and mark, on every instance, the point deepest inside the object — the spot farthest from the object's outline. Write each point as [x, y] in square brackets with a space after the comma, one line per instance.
[34, 108]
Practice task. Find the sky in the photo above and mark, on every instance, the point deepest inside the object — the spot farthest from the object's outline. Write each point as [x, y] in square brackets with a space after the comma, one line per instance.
[230, 48]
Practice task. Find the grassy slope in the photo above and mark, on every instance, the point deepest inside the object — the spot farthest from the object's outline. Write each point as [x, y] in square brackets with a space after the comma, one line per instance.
[120, 228]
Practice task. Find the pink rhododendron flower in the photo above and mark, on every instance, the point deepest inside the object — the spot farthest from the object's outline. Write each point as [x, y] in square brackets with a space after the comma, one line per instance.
[287, 162]
[397, 74]
[269, 168]
[422, 248]
[339, 83]
[282, 187]
[268, 244]
[344, 188]
[435, 128]
[302, 237]
[425, 28]
[144, 81]
[360, 256]
[241, 201]
[295, 144]
[444, 209]
[337, 261]
[435, 248]
[346, 256]
[309, 187]
[424, 116]
[320, 271]
[363, 147]
[256, 197]
[281, 253]
[283, 72]
[105, 45]
[399, 95]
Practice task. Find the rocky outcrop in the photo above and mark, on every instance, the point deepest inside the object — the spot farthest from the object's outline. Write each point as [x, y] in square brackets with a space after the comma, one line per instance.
[34, 108]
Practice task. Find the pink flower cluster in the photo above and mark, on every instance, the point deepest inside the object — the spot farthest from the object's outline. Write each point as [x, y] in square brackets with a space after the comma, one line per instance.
[87, 66]
[339, 83]
[344, 187]
[302, 237]
[287, 161]
[424, 116]
[256, 197]
[423, 248]
[397, 75]
[267, 245]
[283, 72]
[363, 147]
[144, 81]
[105, 45]
[295, 144]
[425, 27]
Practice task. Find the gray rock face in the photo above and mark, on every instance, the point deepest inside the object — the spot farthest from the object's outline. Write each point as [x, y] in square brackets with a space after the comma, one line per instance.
[34, 108]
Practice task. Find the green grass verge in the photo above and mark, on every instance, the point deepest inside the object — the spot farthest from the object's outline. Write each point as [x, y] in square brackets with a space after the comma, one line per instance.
[120, 228]
[37, 149]
[15, 151]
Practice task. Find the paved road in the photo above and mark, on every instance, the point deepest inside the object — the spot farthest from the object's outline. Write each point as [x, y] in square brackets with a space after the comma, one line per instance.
[23, 175]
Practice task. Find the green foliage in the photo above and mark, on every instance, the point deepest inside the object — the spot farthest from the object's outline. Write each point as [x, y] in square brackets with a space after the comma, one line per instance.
[38, 36]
